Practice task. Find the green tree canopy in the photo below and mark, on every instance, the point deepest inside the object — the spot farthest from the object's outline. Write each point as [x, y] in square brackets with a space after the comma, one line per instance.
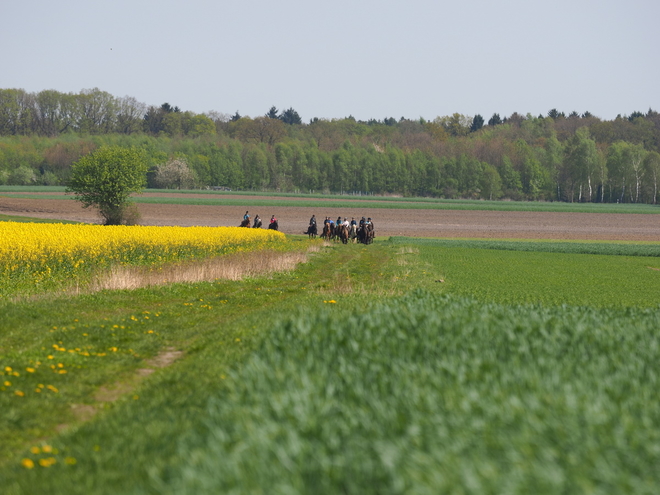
[106, 178]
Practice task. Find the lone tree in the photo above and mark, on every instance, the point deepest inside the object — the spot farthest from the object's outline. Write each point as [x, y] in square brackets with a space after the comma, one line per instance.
[106, 178]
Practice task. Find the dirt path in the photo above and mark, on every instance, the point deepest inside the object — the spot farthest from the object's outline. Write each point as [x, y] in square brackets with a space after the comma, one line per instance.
[388, 222]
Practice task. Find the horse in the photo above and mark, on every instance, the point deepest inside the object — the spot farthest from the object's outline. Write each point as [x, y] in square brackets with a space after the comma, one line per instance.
[245, 223]
[257, 223]
[311, 231]
[273, 225]
[327, 232]
[369, 233]
[352, 233]
[342, 233]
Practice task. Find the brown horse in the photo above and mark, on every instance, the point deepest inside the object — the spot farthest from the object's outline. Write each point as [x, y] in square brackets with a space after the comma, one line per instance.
[327, 232]
[342, 233]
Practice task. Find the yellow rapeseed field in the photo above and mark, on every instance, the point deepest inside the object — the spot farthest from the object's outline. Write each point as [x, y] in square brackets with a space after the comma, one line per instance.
[33, 254]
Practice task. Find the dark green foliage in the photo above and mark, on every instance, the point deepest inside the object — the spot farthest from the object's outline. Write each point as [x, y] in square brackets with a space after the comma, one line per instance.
[520, 157]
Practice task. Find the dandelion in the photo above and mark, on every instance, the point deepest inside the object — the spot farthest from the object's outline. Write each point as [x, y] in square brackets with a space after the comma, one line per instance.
[47, 462]
[19, 393]
[27, 463]
[52, 389]
[47, 449]
[7, 384]
[35, 450]
[29, 370]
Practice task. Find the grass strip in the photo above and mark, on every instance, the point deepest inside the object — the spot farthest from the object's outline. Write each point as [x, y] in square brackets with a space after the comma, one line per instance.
[346, 201]
[610, 248]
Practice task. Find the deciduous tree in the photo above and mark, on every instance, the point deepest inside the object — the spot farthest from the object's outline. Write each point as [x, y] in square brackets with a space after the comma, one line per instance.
[106, 178]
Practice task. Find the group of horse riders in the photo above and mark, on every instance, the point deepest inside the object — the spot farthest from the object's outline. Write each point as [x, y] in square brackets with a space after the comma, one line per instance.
[273, 225]
[344, 230]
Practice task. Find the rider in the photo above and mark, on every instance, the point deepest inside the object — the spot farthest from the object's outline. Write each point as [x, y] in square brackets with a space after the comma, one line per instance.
[246, 216]
[273, 220]
[257, 222]
[312, 221]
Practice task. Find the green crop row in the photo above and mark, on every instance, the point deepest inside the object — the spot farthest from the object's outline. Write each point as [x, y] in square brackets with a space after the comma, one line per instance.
[537, 277]
[246, 198]
[437, 394]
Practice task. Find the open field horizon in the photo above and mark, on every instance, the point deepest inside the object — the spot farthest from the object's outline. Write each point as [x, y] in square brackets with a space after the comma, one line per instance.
[431, 222]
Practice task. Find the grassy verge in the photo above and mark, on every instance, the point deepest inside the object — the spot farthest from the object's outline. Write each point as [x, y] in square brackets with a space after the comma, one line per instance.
[14, 218]
[370, 369]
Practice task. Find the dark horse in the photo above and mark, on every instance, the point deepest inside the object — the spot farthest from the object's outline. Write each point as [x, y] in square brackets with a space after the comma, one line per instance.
[366, 234]
[342, 232]
[273, 225]
[311, 231]
[245, 223]
[327, 232]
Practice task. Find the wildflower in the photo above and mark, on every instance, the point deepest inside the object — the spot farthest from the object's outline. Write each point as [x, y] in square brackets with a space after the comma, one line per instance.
[52, 389]
[19, 393]
[29, 370]
[7, 384]
[27, 463]
[35, 450]
[47, 462]
[47, 449]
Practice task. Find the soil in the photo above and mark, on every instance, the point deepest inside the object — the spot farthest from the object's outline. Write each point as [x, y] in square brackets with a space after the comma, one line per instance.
[388, 222]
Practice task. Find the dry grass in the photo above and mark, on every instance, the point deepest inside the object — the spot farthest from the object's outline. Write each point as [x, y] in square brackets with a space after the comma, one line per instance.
[231, 267]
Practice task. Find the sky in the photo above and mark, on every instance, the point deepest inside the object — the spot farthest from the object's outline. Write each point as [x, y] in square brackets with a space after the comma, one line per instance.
[331, 59]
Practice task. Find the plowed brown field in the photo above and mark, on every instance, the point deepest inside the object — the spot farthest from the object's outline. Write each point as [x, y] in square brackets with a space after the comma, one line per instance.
[388, 222]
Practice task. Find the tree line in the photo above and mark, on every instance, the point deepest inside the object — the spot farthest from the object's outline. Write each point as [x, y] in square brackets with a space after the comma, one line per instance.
[553, 157]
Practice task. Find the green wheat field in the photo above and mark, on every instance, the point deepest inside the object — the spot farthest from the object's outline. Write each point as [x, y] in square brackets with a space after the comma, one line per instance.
[409, 366]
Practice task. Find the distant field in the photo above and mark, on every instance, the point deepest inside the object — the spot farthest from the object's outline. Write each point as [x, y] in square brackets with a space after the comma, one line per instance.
[275, 200]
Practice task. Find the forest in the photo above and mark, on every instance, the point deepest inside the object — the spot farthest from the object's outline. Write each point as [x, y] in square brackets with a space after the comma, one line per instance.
[572, 157]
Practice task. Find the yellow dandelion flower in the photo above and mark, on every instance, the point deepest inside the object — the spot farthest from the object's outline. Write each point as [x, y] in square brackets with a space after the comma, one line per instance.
[7, 384]
[27, 463]
[30, 370]
[47, 449]
[35, 450]
[20, 393]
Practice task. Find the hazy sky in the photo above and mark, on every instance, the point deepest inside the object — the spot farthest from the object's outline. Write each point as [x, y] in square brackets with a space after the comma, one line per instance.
[331, 59]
